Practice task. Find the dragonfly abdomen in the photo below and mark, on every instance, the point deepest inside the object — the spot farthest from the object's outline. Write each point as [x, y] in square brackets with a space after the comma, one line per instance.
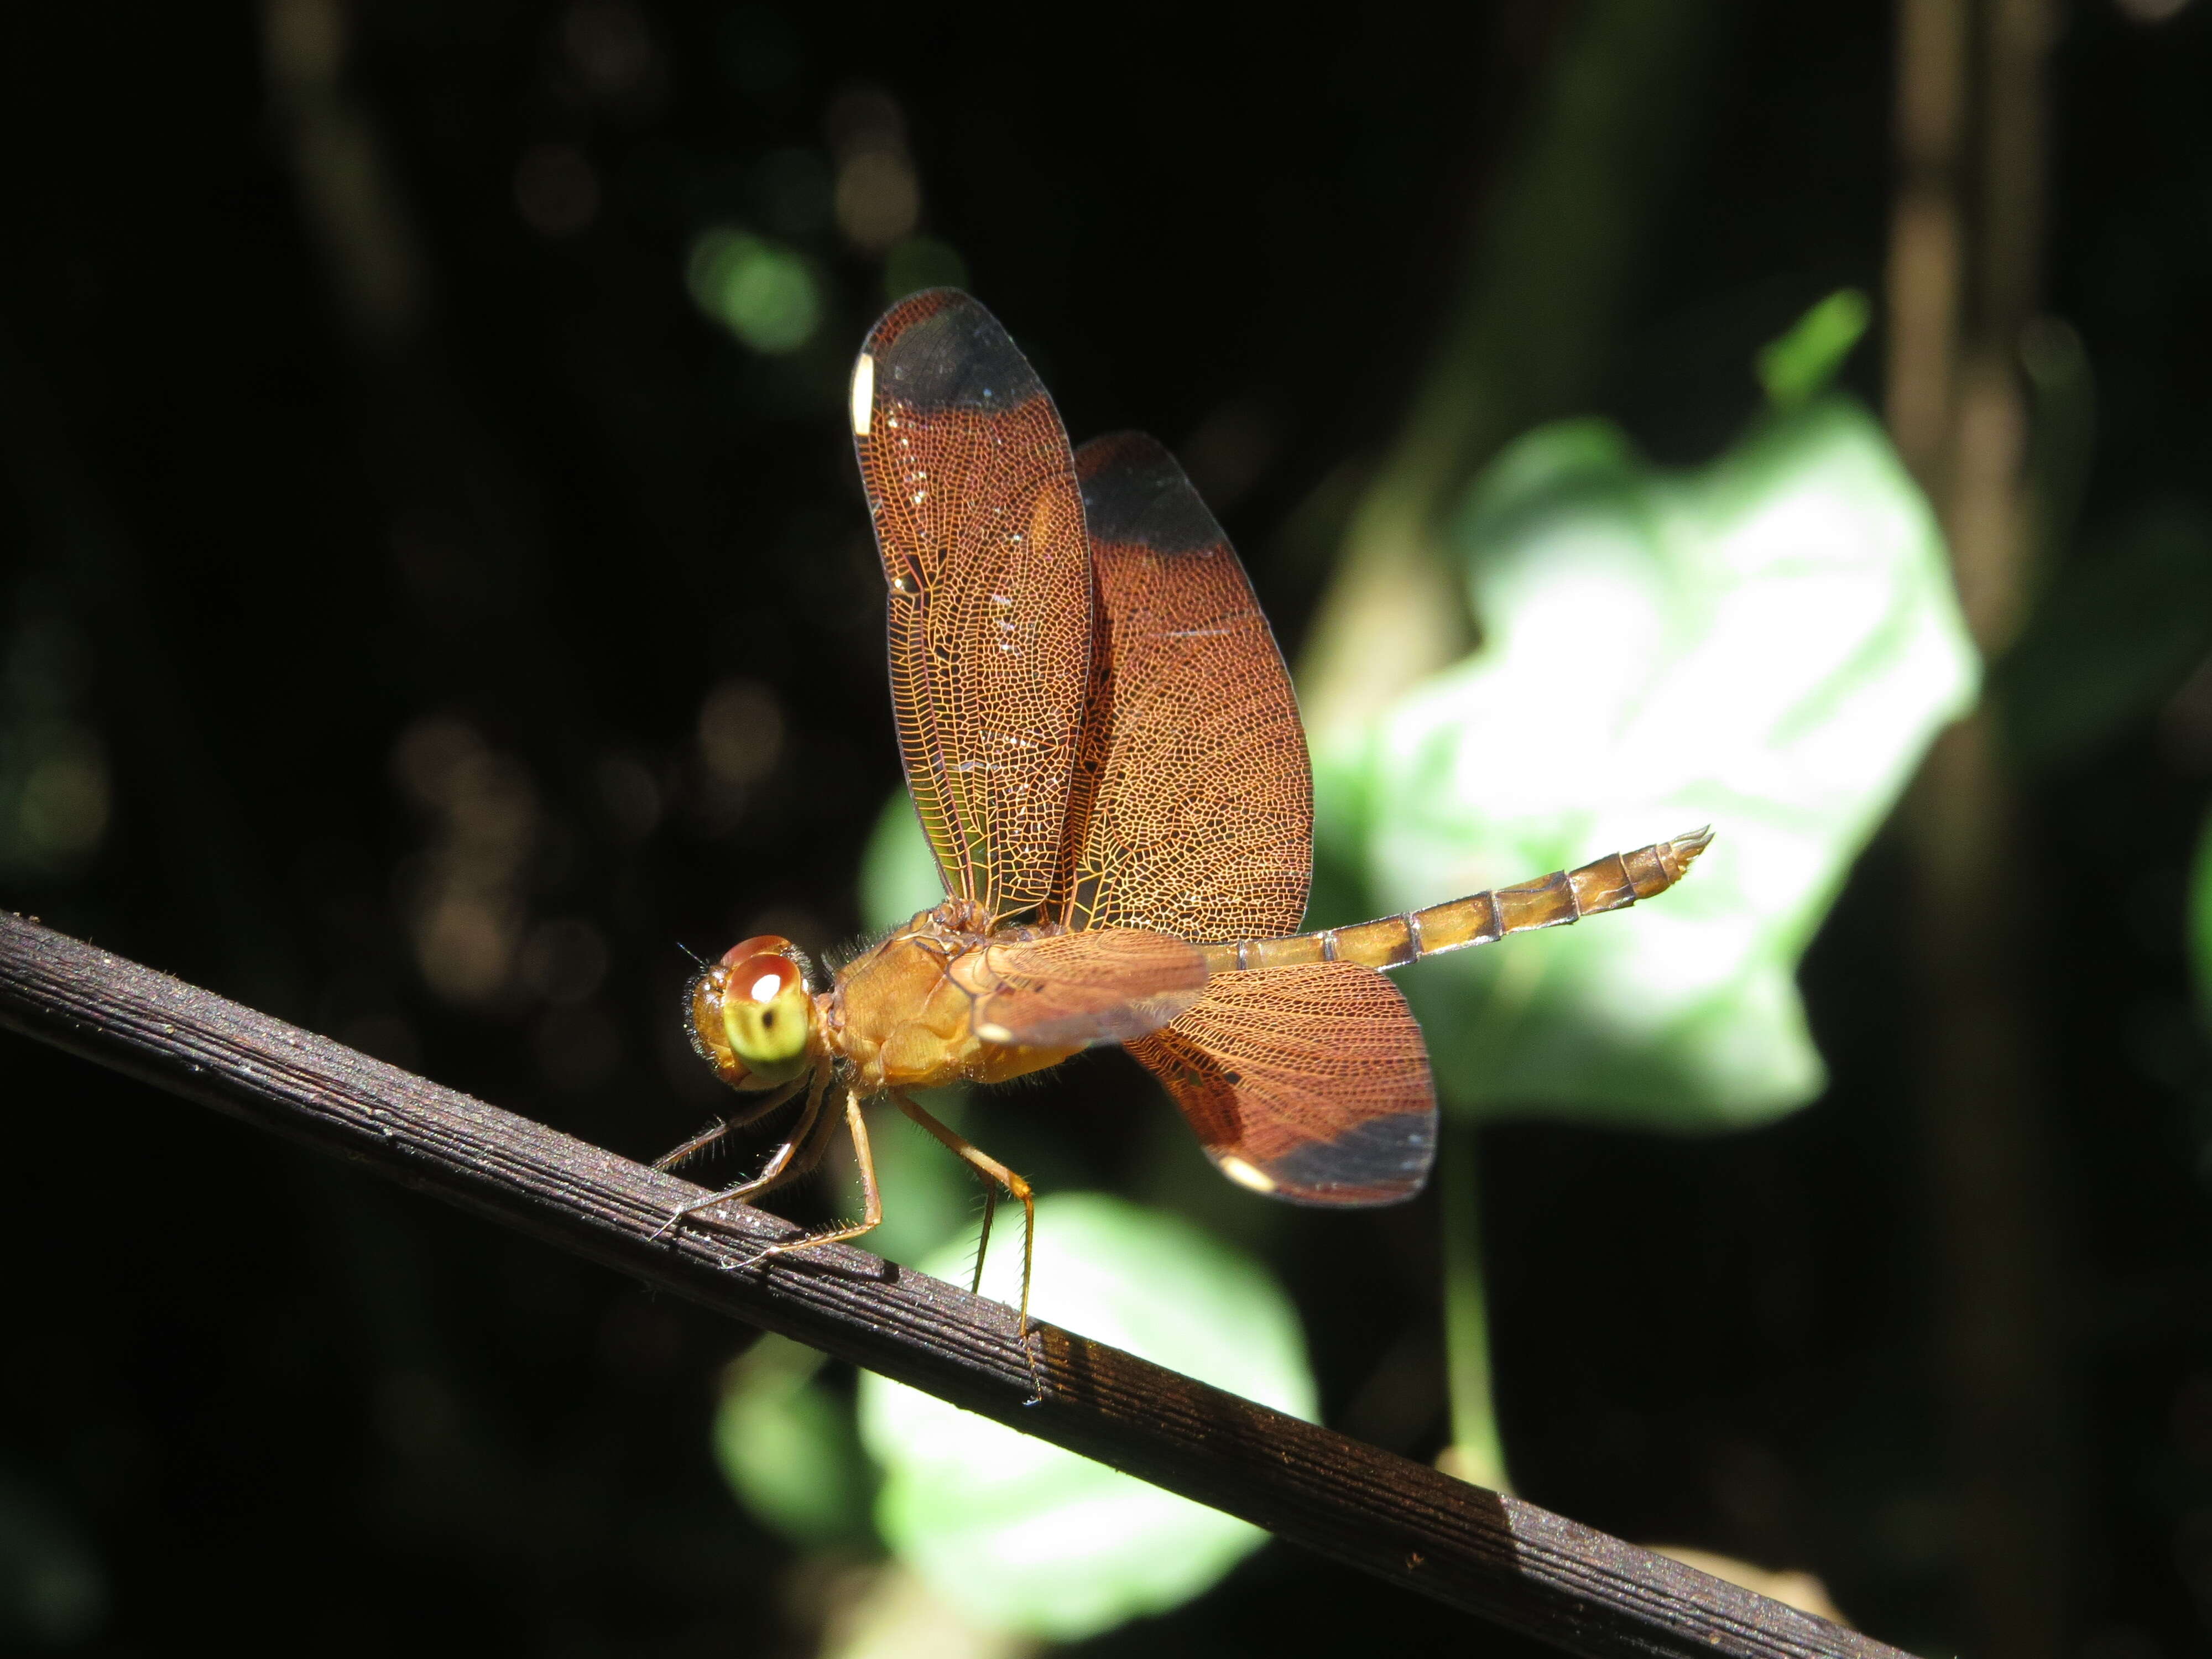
[1612, 883]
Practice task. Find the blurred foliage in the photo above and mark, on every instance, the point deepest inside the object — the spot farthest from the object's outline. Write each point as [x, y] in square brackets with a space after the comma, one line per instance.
[787, 1448]
[2119, 628]
[1804, 361]
[431, 605]
[899, 876]
[1550, 269]
[1764, 644]
[1025, 1537]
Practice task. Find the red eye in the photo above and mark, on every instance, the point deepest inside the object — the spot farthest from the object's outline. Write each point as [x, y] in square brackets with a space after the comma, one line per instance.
[760, 969]
[762, 979]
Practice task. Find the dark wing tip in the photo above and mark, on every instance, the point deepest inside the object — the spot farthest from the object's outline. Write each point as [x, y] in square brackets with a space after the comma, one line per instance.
[941, 350]
[1135, 495]
[1378, 1160]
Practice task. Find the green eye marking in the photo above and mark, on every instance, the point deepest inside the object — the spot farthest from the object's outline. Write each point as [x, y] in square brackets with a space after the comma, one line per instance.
[768, 1035]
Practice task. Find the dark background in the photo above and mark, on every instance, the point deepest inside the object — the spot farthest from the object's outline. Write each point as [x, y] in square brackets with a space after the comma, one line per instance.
[385, 529]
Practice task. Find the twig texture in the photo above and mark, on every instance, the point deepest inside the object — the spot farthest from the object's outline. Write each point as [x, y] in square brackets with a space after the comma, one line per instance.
[1494, 1556]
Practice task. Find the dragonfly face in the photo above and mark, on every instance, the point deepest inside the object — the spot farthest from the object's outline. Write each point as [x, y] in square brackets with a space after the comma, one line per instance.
[752, 1020]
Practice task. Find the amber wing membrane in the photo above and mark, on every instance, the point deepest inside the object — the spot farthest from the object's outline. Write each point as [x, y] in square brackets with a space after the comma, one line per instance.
[1193, 813]
[980, 524]
[1106, 985]
[1309, 1083]
[1192, 807]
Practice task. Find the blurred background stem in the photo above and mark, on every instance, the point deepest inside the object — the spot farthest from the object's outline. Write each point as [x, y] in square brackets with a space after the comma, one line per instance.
[1965, 269]
[1476, 1453]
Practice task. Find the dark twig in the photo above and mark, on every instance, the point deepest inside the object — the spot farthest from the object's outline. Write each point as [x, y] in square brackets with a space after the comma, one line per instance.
[1494, 1556]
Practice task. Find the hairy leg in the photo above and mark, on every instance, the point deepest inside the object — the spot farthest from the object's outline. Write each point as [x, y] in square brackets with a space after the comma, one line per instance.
[780, 1168]
[991, 1170]
[736, 1121]
[871, 1202]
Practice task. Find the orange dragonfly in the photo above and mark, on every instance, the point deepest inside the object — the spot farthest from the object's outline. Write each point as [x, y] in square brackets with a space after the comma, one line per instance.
[1102, 745]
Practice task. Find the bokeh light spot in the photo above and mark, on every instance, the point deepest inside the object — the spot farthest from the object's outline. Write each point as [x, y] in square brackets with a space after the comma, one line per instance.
[761, 291]
[740, 732]
[63, 809]
[879, 198]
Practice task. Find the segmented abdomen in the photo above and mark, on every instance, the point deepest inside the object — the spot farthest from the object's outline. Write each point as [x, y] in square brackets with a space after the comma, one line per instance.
[1612, 883]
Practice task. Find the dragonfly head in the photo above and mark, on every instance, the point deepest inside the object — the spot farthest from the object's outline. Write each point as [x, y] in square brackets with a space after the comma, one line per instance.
[752, 1020]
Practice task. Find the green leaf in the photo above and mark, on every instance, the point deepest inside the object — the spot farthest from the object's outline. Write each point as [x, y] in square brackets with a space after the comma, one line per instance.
[2200, 919]
[898, 872]
[1023, 1536]
[1766, 644]
[787, 1446]
[1799, 365]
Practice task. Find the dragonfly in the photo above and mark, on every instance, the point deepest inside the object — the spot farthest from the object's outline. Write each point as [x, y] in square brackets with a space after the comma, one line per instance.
[1101, 740]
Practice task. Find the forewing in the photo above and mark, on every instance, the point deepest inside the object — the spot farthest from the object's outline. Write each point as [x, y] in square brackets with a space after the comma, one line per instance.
[1309, 1082]
[980, 524]
[1193, 811]
[1104, 986]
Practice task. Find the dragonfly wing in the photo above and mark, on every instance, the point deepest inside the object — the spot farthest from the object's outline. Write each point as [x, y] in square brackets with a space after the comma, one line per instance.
[1106, 985]
[980, 524]
[1193, 813]
[1307, 1083]
[1193, 806]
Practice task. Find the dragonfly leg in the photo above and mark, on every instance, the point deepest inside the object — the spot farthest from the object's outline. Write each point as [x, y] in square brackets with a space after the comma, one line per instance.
[736, 1121]
[983, 1239]
[776, 1172]
[993, 1170]
[872, 1201]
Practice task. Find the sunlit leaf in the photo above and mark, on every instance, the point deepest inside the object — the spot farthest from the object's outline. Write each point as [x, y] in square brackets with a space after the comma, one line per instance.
[787, 1448]
[1765, 644]
[1025, 1537]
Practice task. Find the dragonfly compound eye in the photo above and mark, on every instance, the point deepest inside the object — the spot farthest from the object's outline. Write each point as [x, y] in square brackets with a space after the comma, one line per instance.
[762, 1007]
[751, 1017]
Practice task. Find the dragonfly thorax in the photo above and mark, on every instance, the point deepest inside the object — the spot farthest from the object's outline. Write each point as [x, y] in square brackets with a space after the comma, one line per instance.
[903, 1014]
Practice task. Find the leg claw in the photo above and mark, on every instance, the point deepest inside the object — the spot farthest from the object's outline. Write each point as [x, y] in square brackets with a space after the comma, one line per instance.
[675, 1222]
